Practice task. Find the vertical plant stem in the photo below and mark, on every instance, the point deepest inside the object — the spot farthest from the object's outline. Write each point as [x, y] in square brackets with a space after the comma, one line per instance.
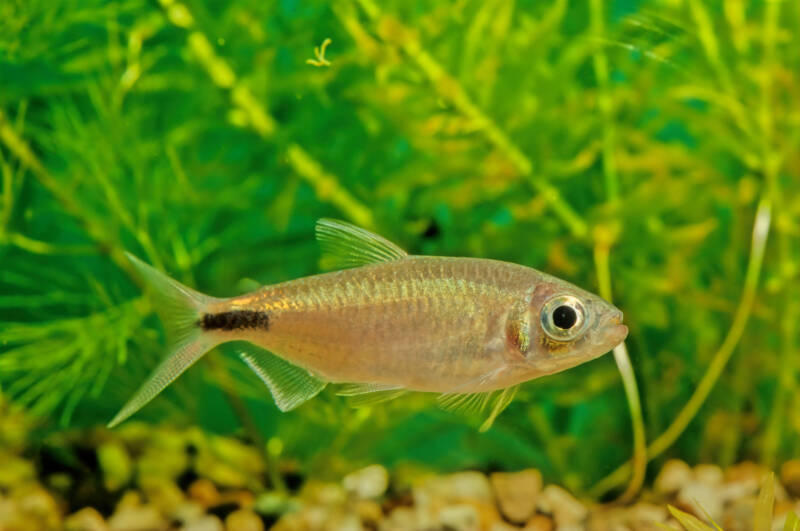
[622, 359]
[604, 101]
[761, 227]
[789, 308]
[602, 249]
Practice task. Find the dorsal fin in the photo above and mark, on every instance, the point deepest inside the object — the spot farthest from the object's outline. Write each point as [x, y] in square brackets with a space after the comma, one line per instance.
[345, 245]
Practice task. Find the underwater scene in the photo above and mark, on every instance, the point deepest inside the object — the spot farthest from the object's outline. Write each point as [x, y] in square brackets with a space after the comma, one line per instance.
[399, 265]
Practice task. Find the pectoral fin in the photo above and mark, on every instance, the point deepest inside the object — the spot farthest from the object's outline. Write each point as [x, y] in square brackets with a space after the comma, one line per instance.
[474, 403]
[289, 384]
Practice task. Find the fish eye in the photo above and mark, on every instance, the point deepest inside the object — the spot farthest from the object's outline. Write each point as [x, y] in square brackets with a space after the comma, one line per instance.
[563, 318]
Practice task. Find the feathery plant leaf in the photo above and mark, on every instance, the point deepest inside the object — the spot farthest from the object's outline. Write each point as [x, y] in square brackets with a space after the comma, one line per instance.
[194, 135]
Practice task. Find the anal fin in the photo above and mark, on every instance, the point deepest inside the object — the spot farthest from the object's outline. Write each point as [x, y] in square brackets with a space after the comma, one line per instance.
[289, 384]
[367, 394]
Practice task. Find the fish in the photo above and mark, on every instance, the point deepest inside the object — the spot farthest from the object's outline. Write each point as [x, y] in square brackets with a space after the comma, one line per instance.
[384, 323]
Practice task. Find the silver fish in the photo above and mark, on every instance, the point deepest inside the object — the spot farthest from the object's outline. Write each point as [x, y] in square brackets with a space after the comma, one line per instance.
[470, 329]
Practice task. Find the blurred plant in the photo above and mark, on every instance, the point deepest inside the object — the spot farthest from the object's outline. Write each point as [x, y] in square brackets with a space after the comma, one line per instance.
[645, 150]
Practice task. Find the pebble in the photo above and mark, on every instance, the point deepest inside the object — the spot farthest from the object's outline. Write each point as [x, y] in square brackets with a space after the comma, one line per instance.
[643, 516]
[243, 498]
[243, 520]
[141, 518]
[708, 474]
[700, 498]
[207, 522]
[15, 470]
[401, 519]
[322, 493]
[229, 462]
[739, 516]
[745, 471]
[369, 511]
[115, 465]
[463, 501]
[673, 475]
[164, 455]
[204, 492]
[87, 519]
[9, 515]
[517, 493]
[368, 483]
[187, 511]
[647, 513]
[790, 476]
[290, 522]
[539, 522]
[502, 526]
[343, 522]
[39, 508]
[274, 503]
[461, 517]
[566, 510]
[164, 494]
[461, 486]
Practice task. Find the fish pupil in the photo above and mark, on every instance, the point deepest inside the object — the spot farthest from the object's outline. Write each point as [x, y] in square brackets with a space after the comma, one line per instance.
[565, 317]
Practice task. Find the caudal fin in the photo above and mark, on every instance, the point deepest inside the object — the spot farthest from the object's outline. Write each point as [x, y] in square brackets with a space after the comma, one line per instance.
[180, 309]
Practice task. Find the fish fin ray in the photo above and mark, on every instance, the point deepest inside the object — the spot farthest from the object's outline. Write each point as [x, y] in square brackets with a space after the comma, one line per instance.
[289, 384]
[367, 394]
[344, 245]
[465, 403]
[501, 401]
[476, 403]
[353, 389]
[179, 308]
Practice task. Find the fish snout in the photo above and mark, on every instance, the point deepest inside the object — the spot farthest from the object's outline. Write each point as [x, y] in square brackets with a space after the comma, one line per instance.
[617, 332]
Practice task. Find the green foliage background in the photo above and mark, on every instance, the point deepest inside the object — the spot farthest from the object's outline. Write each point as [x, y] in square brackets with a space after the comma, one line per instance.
[623, 146]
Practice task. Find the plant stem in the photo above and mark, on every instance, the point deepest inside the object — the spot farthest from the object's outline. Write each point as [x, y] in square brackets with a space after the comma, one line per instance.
[602, 249]
[448, 88]
[326, 185]
[621, 357]
[789, 309]
[761, 227]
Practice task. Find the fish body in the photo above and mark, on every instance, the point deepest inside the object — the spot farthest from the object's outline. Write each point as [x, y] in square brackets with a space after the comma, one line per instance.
[463, 327]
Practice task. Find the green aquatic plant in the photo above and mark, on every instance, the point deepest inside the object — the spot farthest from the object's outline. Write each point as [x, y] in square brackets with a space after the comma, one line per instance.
[645, 150]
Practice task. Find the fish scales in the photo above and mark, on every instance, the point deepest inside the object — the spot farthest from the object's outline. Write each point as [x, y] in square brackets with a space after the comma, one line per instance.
[393, 323]
[425, 318]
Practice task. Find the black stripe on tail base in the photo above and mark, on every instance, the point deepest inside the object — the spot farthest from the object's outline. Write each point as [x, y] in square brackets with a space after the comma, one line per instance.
[235, 320]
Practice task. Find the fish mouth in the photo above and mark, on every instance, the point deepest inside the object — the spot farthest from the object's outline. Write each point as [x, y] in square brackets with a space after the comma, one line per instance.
[616, 332]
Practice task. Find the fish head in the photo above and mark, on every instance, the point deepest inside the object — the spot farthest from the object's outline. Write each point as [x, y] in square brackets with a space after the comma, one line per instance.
[559, 326]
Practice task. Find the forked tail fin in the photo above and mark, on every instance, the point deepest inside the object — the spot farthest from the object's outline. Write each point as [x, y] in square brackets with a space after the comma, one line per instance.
[180, 309]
